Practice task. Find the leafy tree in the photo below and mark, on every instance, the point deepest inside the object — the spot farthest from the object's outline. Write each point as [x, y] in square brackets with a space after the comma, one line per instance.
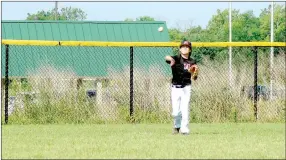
[128, 19]
[175, 35]
[278, 26]
[68, 13]
[145, 18]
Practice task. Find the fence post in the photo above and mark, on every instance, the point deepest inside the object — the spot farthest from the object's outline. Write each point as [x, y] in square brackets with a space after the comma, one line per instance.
[255, 82]
[6, 82]
[131, 85]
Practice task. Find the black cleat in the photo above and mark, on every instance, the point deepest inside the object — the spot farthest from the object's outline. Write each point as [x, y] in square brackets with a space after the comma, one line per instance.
[176, 130]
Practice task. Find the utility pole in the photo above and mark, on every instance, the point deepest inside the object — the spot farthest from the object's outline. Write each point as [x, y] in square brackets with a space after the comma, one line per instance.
[56, 10]
[271, 52]
[230, 48]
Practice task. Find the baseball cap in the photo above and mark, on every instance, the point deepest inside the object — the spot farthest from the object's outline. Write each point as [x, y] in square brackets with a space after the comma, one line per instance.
[186, 43]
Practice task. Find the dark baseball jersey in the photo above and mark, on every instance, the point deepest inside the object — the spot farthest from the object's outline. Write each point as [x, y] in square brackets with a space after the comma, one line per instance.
[181, 76]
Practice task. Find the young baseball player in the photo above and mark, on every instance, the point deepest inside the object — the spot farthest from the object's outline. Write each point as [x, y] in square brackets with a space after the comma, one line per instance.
[184, 69]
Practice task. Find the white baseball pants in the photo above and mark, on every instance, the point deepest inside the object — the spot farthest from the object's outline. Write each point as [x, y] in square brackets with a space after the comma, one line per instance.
[181, 107]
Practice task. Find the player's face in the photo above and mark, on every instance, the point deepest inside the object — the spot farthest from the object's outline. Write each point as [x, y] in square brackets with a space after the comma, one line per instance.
[185, 50]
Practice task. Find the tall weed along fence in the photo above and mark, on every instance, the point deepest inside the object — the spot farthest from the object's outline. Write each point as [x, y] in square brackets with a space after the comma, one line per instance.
[119, 82]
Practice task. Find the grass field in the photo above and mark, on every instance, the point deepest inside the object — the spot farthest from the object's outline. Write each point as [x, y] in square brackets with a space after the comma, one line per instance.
[226, 140]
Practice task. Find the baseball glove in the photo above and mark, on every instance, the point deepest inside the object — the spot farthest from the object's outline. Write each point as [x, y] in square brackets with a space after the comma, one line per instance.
[194, 71]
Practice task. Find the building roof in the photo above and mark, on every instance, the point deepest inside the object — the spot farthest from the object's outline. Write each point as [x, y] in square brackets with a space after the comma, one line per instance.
[124, 31]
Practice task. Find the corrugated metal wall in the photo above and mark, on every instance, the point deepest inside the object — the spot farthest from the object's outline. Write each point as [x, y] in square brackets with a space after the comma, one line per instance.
[84, 61]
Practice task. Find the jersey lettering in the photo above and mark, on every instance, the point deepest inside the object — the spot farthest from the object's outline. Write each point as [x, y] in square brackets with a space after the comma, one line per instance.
[186, 66]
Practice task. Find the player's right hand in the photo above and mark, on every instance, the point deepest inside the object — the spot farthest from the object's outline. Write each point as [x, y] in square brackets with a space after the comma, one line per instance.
[172, 62]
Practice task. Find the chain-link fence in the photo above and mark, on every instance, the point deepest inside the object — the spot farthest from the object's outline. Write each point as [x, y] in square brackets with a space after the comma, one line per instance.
[69, 84]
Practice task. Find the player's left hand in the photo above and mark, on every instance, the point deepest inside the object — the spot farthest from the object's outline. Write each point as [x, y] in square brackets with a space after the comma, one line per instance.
[194, 71]
[193, 68]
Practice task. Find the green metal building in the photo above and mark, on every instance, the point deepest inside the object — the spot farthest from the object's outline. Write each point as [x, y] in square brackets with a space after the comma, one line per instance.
[84, 61]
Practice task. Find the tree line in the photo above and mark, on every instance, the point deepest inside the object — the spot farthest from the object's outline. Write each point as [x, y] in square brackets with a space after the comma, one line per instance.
[246, 27]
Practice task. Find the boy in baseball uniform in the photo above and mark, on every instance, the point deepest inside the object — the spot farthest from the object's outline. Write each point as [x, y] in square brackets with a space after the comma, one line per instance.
[184, 69]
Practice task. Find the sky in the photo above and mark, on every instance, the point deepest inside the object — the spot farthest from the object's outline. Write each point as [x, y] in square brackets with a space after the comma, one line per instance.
[176, 14]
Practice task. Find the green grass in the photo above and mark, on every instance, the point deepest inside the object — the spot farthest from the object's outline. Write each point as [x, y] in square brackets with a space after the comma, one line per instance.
[225, 140]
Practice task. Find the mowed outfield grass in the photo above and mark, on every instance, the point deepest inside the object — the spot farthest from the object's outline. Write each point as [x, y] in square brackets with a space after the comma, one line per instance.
[226, 140]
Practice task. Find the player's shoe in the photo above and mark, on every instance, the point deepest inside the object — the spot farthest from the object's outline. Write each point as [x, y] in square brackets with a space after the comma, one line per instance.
[176, 130]
[185, 131]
